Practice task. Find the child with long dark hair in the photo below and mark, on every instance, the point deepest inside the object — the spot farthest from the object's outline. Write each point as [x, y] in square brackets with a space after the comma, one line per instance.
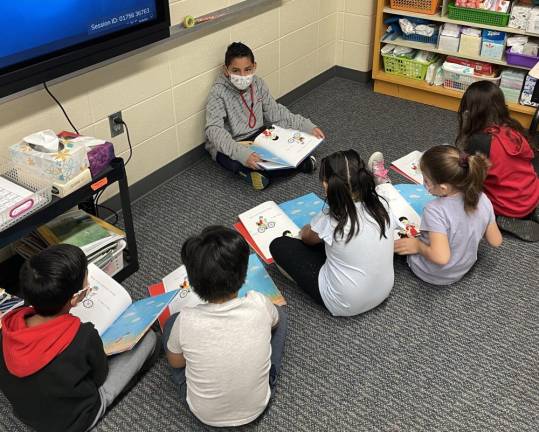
[344, 259]
[453, 224]
[512, 184]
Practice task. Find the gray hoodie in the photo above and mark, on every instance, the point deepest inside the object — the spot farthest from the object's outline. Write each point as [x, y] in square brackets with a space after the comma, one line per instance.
[227, 117]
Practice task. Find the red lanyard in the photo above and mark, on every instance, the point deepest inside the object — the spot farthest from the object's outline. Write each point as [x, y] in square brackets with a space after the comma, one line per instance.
[252, 115]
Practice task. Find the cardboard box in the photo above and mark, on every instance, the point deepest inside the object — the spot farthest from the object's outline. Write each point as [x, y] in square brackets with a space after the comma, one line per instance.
[480, 68]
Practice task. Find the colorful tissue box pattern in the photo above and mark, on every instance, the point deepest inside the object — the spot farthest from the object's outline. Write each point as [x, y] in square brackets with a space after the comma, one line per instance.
[60, 166]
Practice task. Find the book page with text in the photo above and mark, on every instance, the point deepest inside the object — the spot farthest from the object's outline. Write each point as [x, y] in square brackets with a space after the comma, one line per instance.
[403, 211]
[265, 223]
[105, 301]
[408, 166]
[287, 145]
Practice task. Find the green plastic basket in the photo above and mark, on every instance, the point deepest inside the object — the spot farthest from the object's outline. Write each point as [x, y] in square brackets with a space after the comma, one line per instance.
[479, 16]
[405, 67]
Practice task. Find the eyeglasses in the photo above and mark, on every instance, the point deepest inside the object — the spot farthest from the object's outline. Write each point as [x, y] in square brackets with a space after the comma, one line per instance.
[83, 292]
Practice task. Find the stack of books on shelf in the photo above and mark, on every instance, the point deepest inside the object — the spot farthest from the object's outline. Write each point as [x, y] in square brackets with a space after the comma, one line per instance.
[8, 302]
[102, 242]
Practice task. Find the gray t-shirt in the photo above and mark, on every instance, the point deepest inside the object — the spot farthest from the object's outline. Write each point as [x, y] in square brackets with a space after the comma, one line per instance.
[464, 232]
[357, 276]
[228, 353]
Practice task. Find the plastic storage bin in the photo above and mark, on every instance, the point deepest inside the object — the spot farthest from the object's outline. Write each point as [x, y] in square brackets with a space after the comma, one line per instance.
[405, 67]
[460, 82]
[520, 59]
[429, 7]
[480, 16]
[39, 187]
[424, 39]
[116, 261]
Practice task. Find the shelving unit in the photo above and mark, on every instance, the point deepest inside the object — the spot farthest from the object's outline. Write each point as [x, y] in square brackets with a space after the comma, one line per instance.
[420, 91]
[432, 48]
[115, 172]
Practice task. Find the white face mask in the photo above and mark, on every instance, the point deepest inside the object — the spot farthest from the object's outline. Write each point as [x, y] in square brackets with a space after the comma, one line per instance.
[241, 82]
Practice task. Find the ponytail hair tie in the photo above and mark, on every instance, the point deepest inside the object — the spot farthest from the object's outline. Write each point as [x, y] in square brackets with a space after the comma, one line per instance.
[463, 160]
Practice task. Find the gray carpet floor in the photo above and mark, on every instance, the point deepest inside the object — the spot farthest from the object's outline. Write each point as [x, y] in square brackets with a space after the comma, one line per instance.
[459, 358]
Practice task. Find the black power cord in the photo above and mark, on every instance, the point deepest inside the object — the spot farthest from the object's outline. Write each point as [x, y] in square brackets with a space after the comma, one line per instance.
[61, 107]
[100, 193]
[117, 121]
[120, 121]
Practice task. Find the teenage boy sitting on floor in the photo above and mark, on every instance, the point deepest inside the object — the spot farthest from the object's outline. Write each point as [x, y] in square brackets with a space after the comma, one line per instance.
[239, 107]
[53, 368]
[224, 356]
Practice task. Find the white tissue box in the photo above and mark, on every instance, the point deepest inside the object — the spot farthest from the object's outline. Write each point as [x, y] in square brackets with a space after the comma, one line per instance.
[60, 166]
[533, 21]
[520, 15]
[470, 44]
[449, 43]
[492, 50]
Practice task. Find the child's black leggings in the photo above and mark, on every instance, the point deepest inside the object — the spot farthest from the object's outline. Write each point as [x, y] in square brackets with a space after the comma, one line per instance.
[301, 262]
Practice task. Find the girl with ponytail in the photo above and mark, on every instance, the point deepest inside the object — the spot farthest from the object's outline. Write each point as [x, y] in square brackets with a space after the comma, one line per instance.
[344, 259]
[453, 224]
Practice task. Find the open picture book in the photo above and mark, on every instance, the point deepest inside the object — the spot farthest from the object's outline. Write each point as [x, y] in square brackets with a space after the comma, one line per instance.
[282, 148]
[415, 195]
[408, 166]
[120, 322]
[267, 221]
[257, 279]
[406, 203]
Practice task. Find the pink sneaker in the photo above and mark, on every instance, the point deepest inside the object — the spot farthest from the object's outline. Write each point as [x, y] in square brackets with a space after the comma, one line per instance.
[376, 166]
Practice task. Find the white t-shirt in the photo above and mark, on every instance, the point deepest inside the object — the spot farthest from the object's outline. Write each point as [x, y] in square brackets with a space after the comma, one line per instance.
[357, 276]
[228, 354]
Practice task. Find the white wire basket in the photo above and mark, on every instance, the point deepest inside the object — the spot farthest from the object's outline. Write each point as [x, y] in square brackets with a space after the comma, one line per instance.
[460, 82]
[39, 193]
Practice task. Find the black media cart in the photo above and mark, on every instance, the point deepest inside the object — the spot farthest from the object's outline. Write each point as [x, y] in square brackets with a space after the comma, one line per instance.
[115, 172]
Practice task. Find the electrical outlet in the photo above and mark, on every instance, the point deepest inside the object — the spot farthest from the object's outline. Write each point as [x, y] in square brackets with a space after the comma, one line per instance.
[116, 128]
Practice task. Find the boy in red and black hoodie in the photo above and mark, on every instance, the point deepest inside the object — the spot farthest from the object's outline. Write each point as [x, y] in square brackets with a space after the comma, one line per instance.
[53, 368]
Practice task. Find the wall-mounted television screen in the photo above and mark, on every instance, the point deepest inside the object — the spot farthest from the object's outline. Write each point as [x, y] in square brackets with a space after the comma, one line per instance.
[42, 40]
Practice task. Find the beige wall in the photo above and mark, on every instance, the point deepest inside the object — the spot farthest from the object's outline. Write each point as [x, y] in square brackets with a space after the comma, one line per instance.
[162, 91]
[355, 34]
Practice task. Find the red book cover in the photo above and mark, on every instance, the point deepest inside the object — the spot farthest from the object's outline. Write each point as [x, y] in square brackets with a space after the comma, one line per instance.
[402, 173]
[155, 290]
[238, 226]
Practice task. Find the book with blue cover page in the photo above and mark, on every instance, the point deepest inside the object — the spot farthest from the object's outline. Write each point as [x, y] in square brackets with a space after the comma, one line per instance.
[282, 148]
[416, 195]
[134, 322]
[257, 279]
[120, 322]
[302, 209]
[267, 221]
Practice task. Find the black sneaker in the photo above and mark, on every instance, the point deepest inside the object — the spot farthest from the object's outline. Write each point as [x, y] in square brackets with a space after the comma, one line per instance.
[256, 179]
[524, 229]
[308, 166]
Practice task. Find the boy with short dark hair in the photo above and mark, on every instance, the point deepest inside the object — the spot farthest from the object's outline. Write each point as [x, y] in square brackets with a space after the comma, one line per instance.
[53, 368]
[226, 345]
[239, 107]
